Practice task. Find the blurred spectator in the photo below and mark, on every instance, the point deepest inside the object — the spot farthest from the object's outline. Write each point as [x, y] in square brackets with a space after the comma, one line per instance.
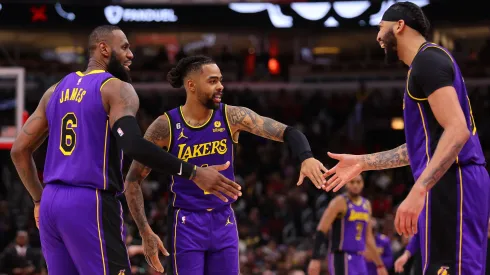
[20, 258]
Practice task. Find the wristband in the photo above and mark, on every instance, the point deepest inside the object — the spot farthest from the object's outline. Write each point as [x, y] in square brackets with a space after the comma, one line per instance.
[193, 173]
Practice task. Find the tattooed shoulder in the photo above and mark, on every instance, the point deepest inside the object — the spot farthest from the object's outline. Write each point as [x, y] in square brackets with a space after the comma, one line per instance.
[159, 131]
[244, 119]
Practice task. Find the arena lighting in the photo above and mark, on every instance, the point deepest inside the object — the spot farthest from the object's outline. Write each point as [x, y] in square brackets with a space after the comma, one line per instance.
[326, 50]
[70, 16]
[397, 123]
[317, 10]
[116, 14]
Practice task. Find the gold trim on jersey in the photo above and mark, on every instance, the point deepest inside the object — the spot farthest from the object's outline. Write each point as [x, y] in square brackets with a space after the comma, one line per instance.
[98, 229]
[91, 72]
[170, 131]
[408, 91]
[427, 195]
[105, 153]
[460, 252]
[196, 127]
[107, 80]
[237, 237]
[175, 242]
[408, 76]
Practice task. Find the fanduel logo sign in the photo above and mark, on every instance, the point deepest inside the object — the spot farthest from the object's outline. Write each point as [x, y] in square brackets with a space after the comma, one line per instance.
[116, 14]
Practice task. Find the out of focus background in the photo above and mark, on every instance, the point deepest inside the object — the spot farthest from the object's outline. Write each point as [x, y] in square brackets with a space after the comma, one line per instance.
[313, 65]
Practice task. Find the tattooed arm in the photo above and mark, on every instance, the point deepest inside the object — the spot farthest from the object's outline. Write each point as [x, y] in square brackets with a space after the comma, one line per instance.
[393, 158]
[244, 119]
[454, 137]
[159, 134]
[33, 134]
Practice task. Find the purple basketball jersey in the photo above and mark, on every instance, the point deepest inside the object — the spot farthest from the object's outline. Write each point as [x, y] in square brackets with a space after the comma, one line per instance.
[422, 134]
[81, 149]
[348, 232]
[210, 144]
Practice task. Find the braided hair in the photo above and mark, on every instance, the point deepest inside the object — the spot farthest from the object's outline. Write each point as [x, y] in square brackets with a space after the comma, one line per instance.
[415, 13]
[185, 66]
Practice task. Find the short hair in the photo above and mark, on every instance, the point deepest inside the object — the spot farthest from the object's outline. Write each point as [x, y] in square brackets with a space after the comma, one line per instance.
[415, 13]
[185, 66]
[99, 34]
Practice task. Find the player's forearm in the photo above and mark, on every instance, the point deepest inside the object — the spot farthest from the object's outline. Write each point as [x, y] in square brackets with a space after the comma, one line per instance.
[447, 150]
[373, 252]
[134, 196]
[26, 168]
[394, 158]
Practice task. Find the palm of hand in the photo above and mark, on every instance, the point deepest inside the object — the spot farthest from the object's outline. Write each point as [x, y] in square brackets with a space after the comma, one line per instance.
[348, 167]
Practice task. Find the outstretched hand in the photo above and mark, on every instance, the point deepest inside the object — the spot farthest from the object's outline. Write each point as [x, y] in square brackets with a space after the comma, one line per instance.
[210, 180]
[151, 245]
[314, 170]
[348, 167]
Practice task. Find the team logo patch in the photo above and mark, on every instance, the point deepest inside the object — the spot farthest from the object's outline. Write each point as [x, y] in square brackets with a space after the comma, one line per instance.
[217, 127]
[120, 132]
[183, 220]
[443, 270]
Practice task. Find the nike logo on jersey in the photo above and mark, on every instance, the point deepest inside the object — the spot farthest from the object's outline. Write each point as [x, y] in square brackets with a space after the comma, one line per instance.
[180, 172]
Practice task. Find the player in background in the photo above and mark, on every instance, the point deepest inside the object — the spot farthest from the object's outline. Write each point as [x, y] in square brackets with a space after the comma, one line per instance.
[203, 236]
[89, 117]
[412, 248]
[346, 220]
[383, 248]
[450, 201]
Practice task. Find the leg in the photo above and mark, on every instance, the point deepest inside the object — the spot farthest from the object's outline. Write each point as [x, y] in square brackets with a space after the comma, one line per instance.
[356, 264]
[91, 228]
[475, 185]
[187, 242]
[458, 223]
[223, 258]
[338, 264]
[440, 228]
[57, 257]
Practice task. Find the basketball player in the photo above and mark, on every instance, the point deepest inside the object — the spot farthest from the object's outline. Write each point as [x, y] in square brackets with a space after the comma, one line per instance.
[442, 146]
[350, 234]
[89, 116]
[203, 236]
[412, 248]
[383, 248]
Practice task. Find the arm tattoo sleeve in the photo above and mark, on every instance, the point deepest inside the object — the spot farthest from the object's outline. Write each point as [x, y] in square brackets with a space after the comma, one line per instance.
[244, 119]
[397, 157]
[439, 166]
[159, 134]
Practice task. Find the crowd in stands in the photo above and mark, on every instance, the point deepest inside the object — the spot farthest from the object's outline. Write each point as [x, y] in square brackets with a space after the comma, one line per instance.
[276, 219]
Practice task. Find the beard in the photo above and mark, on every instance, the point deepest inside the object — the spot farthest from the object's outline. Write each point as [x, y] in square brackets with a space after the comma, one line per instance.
[354, 195]
[209, 102]
[391, 52]
[115, 68]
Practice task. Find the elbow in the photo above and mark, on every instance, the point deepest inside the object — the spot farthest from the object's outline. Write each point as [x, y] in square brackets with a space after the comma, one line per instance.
[461, 135]
[16, 152]
[128, 148]
[465, 134]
